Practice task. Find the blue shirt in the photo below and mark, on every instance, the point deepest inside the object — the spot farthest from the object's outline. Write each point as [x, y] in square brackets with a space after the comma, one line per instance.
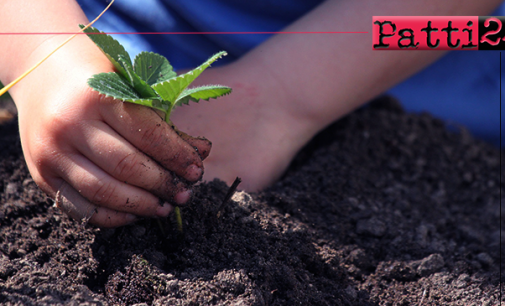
[188, 51]
[462, 88]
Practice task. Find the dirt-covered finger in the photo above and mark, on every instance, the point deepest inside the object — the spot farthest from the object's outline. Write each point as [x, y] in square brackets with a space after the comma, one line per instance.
[201, 144]
[71, 202]
[148, 132]
[116, 156]
[103, 190]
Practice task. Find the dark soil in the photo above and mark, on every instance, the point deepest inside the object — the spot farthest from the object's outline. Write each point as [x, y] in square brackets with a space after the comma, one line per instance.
[382, 208]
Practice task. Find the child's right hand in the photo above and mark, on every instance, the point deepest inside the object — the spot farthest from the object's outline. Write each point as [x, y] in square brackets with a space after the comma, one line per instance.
[100, 158]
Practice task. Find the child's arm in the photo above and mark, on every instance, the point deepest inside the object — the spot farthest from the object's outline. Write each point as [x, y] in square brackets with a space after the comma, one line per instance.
[293, 85]
[110, 160]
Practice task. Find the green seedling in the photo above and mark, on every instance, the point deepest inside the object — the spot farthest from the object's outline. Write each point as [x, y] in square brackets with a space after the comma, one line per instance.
[150, 81]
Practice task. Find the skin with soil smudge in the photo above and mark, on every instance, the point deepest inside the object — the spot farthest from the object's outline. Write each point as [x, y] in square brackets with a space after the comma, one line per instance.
[382, 208]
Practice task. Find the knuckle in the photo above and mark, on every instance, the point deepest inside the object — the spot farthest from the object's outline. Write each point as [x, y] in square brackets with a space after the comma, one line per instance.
[46, 163]
[152, 136]
[128, 166]
[60, 127]
[104, 193]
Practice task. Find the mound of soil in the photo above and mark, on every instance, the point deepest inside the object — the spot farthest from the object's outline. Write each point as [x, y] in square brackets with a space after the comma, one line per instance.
[382, 208]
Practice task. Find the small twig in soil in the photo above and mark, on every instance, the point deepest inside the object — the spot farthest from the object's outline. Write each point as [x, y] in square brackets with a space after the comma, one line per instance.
[229, 194]
[422, 298]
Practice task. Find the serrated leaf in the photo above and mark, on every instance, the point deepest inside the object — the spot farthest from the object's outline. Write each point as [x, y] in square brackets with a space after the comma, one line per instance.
[112, 85]
[144, 90]
[202, 93]
[171, 89]
[153, 68]
[110, 47]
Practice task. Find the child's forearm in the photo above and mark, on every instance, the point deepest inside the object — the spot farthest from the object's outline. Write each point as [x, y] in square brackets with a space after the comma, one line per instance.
[326, 76]
[293, 85]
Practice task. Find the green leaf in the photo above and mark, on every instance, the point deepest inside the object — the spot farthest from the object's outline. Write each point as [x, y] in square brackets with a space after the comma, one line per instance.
[202, 93]
[171, 89]
[144, 90]
[112, 85]
[153, 68]
[111, 48]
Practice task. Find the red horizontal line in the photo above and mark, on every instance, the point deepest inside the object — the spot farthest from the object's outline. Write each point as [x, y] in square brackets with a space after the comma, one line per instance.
[181, 33]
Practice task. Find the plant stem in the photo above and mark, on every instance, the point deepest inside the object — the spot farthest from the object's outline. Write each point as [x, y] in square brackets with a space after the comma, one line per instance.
[177, 210]
[178, 218]
[168, 112]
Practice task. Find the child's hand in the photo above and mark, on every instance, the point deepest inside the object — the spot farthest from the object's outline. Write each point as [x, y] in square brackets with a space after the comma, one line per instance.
[101, 158]
[256, 130]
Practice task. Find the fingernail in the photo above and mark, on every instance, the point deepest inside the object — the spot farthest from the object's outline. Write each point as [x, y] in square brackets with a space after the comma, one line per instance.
[193, 173]
[164, 211]
[183, 196]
